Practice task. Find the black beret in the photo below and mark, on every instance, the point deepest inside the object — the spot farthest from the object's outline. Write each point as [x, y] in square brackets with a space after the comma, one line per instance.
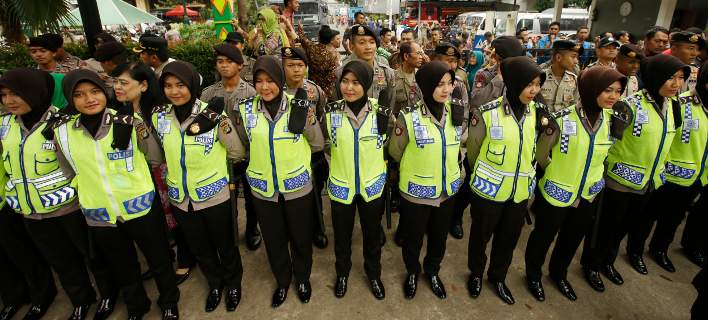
[234, 37]
[230, 52]
[606, 41]
[294, 53]
[560, 45]
[48, 41]
[447, 49]
[156, 44]
[108, 50]
[507, 47]
[631, 51]
[688, 37]
[362, 30]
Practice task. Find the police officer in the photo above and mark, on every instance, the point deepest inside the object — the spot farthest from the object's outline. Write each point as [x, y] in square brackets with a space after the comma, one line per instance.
[355, 128]
[606, 53]
[635, 164]
[124, 177]
[407, 92]
[197, 138]
[232, 87]
[426, 143]
[572, 153]
[685, 46]
[280, 134]
[685, 171]
[25, 275]
[153, 52]
[362, 52]
[450, 55]
[40, 190]
[295, 65]
[500, 150]
[488, 84]
[236, 39]
[627, 63]
[561, 88]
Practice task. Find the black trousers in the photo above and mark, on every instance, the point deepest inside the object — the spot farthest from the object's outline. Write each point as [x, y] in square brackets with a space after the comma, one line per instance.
[669, 205]
[320, 170]
[64, 242]
[210, 235]
[570, 224]
[24, 274]
[694, 232]
[343, 223]
[504, 221]
[463, 196]
[283, 224]
[118, 245]
[417, 220]
[623, 213]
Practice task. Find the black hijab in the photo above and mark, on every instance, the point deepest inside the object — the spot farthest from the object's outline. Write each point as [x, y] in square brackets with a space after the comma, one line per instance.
[365, 75]
[701, 84]
[428, 77]
[273, 67]
[592, 83]
[35, 87]
[518, 72]
[187, 73]
[71, 80]
[655, 70]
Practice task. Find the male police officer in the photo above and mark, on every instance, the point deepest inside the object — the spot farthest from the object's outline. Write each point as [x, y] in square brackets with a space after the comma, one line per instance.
[561, 87]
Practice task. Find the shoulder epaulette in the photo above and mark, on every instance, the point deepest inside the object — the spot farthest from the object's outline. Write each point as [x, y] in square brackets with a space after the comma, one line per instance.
[409, 109]
[158, 109]
[489, 105]
[687, 99]
[334, 106]
[244, 100]
[559, 113]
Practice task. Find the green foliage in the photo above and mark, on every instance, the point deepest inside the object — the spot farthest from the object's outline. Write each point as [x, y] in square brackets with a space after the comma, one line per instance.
[544, 4]
[37, 16]
[13, 56]
[200, 54]
[78, 49]
[196, 31]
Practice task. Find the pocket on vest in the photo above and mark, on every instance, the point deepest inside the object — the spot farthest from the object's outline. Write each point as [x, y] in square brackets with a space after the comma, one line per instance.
[495, 153]
[45, 163]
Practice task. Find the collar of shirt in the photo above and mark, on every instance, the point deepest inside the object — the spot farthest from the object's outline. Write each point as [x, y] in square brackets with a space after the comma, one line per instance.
[103, 128]
[281, 110]
[425, 111]
[594, 127]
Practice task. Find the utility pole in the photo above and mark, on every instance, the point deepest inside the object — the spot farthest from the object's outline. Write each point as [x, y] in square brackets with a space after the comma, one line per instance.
[92, 22]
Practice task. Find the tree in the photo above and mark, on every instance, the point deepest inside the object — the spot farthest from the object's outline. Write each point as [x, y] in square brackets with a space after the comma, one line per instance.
[34, 16]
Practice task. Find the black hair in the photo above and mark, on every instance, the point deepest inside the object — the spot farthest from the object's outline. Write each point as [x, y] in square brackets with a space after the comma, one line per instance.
[518, 32]
[120, 58]
[653, 30]
[581, 28]
[153, 96]
[359, 13]
[162, 55]
[383, 31]
[620, 33]
[405, 48]
[554, 23]
[408, 31]
[168, 26]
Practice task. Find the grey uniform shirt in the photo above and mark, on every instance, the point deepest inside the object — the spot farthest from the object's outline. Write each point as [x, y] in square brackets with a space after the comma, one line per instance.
[231, 98]
[383, 78]
[399, 142]
[65, 209]
[226, 135]
[560, 94]
[488, 85]
[312, 133]
[632, 86]
[407, 91]
[147, 144]
[247, 70]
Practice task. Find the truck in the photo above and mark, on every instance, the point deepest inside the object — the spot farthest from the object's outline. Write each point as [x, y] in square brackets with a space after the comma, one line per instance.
[312, 14]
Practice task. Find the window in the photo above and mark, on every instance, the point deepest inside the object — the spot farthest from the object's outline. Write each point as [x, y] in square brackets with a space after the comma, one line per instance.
[524, 23]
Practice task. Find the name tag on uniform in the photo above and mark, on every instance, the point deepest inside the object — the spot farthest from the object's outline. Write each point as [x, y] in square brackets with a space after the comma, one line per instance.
[421, 135]
[251, 120]
[3, 131]
[642, 116]
[335, 120]
[496, 133]
[163, 125]
[570, 128]
[692, 124]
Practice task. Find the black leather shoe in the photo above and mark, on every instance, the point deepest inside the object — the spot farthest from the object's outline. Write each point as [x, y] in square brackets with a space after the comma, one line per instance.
[437, 286]
[474, 286]
[594, 280]
[456, 231]
[213, 300]
[695, 256]
[663, 260]
[398, 237]
[566, 289]
[37, 311]
[536, 289]
[503, 292]
[170, 313]
[304, 291]
[136, 317]
[377, 288]
[611, 273]
[147, 275]
[340, 287]
[233, 297]
[9, 311]
[382, 236]
[183, 277]
[410, 286]
[105, 308]
[320, 241]
[637, 263]
[279, 297]
[80, 312]
[253, 239]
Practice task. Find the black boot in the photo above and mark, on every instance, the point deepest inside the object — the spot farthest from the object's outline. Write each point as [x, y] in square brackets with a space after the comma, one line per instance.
[340, 287]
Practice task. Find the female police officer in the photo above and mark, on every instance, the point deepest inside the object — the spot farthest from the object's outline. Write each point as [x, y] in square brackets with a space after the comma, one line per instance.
[280, 136]
[427, 146]
[355, 128]
[108, 151]
[500, 149]
[573, 159]
[197, 138]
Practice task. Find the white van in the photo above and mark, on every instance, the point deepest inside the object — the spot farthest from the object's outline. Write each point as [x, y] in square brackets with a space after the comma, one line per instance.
[571, 20]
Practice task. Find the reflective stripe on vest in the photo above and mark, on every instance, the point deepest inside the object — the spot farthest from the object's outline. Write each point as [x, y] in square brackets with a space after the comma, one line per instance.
[504, 167]
[279, 159]
[577, 165]
[686, 161]
[36, 184]
[641, 153]
[111, 183]
[357, 158]
[429, 168]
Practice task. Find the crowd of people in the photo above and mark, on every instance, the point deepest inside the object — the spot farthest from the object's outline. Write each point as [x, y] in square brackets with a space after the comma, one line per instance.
[128, 149]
